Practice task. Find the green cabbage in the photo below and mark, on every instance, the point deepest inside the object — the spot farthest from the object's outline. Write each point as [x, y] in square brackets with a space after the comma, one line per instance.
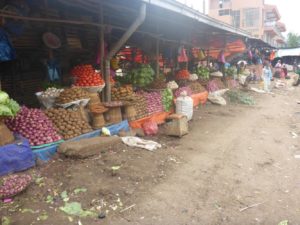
[5, 110]
[3, 97]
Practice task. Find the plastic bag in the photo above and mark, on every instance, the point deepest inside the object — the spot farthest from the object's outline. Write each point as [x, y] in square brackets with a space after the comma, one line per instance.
[150, 128]
[16, 157]
[7, 52]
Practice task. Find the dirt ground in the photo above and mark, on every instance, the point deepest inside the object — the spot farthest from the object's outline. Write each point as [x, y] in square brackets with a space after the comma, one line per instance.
[234, 157]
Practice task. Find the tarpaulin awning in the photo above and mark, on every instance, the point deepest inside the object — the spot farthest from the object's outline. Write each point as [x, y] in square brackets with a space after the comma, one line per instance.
[231, 48]
[288, 52]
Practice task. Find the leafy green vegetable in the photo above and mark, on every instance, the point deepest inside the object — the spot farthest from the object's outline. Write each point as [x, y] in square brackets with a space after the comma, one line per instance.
[75, 209]
[8, 107]
[167, 99]
[240, 98]
[78, 190]
[3, 97]
[5, 110]
[142, 75]
[202, 72]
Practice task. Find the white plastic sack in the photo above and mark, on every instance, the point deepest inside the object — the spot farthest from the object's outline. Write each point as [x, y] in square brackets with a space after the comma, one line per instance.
[185, 105]
[81, 102]
[193, 77]
[216, 74]
[47, 102]
[141, 143]
[216, 97]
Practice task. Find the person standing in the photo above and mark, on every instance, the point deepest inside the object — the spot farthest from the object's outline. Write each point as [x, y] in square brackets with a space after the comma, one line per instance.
[267, 76]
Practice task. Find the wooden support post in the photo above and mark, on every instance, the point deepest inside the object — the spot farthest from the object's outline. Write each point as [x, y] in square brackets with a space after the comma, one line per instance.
[157, 58]
[107, 80]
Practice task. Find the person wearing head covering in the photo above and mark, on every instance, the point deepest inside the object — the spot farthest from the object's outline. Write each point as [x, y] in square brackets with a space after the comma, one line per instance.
[267, 76]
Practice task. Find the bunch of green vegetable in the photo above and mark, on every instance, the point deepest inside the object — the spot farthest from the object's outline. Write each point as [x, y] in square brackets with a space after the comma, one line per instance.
[240, 98]
[231, 71]
[142, 75]
[8, 107]
[167, 99]
[202, 72]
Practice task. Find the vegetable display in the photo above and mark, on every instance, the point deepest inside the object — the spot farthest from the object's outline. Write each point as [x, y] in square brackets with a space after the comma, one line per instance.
[154, 101]
[167, 99]
[231, 71]
[158, 83]
[86, 76]
[13, 185]
[72, 94]
[202, 72]
[68, 123]
[181, 89]
[8, 107]
[142, 75]
[51, 92]
[140, 105]
[196, 87]
[183, 75]
[215, 84]
[34, 125]
[172, 85]
[121, 92]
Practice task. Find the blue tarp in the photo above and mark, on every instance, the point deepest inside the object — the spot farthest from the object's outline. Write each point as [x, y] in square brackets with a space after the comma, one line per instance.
[16, 157]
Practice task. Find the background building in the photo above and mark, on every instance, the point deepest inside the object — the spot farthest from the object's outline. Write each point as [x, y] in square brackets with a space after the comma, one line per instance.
[254, 16]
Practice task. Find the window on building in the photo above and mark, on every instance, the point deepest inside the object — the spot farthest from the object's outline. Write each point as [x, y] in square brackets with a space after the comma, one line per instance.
[222, 2]
[236, 18]
[251, 17]
[224, 12]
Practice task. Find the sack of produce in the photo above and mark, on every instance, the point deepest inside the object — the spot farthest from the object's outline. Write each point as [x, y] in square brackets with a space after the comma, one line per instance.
[47, 98]
[150, 128]
[193, 77]
[72, 96]
[184, 105]
[68, 123]
[172, 85]
[13, 185]
[16, 156]
[34, 125]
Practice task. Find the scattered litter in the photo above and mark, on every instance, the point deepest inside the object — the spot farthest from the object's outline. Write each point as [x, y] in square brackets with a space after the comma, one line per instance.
[75, 209]
[297, 156]
[28, 210]
[79, 222]
[64, 196]
[129, 207]
[257, 90]
[284, 222]
[5, 220]
[141, 143]
[70, 219]
[7, 200]
[79, 190]
[44, 216]
[251, 206]
[49, 199]
[102, 215]
[294, 135]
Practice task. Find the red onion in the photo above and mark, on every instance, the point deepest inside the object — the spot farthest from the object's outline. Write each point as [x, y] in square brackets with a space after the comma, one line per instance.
[182, 89]
[33, 125]
[154, 101]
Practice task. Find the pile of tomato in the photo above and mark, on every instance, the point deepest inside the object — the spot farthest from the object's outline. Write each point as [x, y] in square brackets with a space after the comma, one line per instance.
[183, 75]
[86, 76]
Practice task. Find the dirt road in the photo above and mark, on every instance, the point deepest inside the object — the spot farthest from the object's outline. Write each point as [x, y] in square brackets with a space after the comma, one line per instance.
[234, 157]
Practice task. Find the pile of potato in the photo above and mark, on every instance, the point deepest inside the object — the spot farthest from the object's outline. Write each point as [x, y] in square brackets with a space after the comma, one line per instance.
[121, 93]
[196, 87]
[69, 123]
[72, 94]
[139, 103]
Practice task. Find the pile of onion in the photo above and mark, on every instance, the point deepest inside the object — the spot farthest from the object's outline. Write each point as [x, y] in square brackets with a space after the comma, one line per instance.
[34, 125]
